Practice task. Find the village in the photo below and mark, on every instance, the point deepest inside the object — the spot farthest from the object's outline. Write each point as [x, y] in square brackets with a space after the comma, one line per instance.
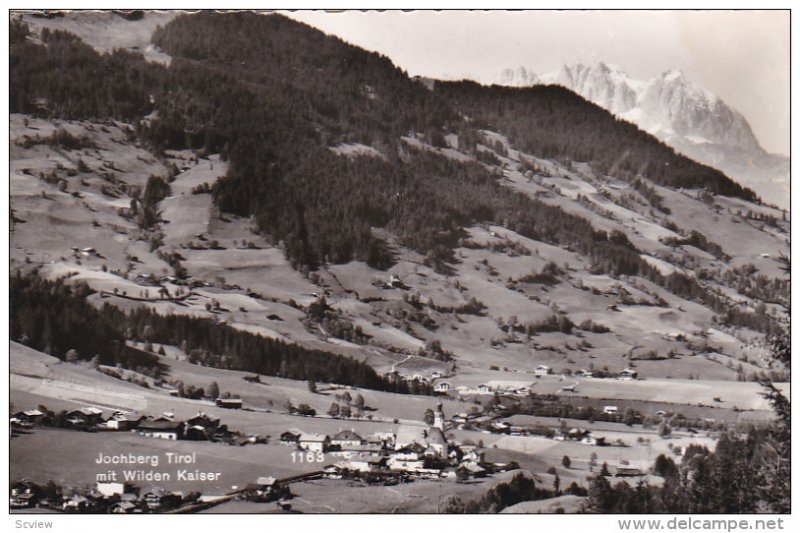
[410, 451]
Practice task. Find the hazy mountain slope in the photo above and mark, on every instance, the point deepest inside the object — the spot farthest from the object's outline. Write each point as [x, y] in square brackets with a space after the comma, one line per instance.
[678, 111]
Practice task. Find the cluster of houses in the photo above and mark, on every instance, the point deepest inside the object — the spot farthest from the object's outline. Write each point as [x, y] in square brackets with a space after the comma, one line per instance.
[520, 388]
[410, 451]
[201, 426]
[489, 424]
[426, 379]
[117, 498]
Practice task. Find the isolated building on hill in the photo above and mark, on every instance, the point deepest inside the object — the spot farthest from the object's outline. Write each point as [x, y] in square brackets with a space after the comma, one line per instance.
[229, 403]
[442, 387]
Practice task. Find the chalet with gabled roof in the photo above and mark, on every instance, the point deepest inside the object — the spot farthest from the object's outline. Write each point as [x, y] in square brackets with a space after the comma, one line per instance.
[161, 429]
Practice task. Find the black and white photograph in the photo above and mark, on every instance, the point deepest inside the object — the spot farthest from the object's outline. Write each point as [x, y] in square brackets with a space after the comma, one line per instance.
[400, 262]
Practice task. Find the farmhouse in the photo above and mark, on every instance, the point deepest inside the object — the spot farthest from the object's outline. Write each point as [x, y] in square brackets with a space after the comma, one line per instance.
[122, 508]
[229, 403]
[85, 417]
[196, 433]
[24, 494]
[161, 429]
[31, 416]
[483, 389]
[314, 442]
[346, 439]
[610, 409]
[627, 471]
[74, 503]
[21, 501]
[471, 469]
[123, 422]
[542, 370]
[265, 489]
[442, 386]
[628, 374]
[204, 421]
[290, 438]
[407, 459]
[363, 463]
[510, 387]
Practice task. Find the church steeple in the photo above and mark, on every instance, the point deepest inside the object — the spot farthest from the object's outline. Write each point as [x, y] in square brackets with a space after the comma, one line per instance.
[438, 417]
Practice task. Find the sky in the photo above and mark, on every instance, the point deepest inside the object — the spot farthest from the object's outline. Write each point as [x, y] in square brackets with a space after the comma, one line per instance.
[742, 56]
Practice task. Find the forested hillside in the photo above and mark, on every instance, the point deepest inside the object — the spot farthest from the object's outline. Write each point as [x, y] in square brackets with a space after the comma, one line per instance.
[272, 95]
[555, 123]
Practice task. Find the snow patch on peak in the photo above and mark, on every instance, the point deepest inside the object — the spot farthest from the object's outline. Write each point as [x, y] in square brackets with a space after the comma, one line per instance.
[680, 112]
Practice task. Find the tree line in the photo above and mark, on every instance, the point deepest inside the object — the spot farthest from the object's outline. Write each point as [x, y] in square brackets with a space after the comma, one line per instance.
[57, 317]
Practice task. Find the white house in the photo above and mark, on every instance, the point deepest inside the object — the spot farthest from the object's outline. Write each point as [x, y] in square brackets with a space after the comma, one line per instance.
[346, 439]
[362, 463]
[442, 386]
[542, 370]
[314, 442]
[161, 429]
[407, 459]
[610, 409]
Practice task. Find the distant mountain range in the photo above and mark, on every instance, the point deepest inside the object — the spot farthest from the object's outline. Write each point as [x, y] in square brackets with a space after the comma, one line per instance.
[686, 116]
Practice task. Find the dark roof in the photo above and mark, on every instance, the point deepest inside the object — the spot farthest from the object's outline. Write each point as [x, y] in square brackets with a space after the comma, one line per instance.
[203, 419]
[347, 435]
